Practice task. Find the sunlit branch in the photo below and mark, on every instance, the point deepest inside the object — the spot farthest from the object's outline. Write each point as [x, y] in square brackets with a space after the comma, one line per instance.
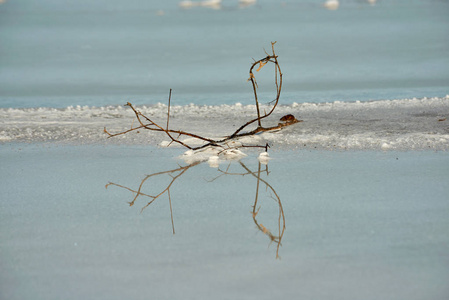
[149, 124]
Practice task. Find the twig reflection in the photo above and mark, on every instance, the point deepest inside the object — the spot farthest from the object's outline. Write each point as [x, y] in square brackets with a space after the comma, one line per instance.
[181, 170]
[281, 218]
[178, 173]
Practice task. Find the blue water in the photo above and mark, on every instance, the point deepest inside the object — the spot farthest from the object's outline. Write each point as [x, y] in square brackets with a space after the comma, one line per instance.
[366, 223]
[359, 225]
[56, 54]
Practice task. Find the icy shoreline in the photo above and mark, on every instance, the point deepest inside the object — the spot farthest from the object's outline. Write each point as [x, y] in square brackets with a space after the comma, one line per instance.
[407, 124]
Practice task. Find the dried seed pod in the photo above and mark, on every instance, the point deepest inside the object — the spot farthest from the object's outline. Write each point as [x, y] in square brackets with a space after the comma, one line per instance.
[288, 118]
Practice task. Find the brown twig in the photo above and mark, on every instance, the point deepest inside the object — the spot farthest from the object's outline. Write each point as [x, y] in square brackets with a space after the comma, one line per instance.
[269, 58]
[168, 111]
[151, 125]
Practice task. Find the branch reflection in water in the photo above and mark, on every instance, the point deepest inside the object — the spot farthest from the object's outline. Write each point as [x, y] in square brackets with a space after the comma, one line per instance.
[181, 170]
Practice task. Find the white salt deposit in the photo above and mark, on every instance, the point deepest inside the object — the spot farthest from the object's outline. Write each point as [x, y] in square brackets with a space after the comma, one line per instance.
[264, 157]
[233, 154]
[213, 155]
[211, 3]
[214, 161]
[331, 4]
[377, 125]
[246, 3]
[215, 4]
[188, 4]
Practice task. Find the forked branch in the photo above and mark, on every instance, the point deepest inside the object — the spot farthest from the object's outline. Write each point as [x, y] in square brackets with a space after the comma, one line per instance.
[146, 123]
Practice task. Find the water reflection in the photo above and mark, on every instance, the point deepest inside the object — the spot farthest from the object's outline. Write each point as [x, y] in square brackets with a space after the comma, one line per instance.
[273, 195]
[275, 236]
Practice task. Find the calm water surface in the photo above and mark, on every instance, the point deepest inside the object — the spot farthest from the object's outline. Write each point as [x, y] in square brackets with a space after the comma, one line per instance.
[358, 225]
[109, 52]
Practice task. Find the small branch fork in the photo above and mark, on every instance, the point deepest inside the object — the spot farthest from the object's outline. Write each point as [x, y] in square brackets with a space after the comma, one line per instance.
[145, 122]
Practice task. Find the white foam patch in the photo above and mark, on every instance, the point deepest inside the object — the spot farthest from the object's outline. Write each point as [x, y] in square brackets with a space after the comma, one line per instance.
[213, 155]
[193, 156]
[233, 154]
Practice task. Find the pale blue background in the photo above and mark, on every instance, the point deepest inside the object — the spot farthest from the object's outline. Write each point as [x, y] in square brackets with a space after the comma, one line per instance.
[60, 53]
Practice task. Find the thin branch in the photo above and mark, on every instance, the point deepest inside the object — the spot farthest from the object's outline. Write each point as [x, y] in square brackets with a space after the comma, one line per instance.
[146, 123]
[168, 112]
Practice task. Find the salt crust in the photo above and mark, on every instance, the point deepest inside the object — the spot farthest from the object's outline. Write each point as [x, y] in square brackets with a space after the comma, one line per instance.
[406, 124]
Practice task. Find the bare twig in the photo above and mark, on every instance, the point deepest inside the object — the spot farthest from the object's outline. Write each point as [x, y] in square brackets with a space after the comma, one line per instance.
[168, 112]
[146, 123]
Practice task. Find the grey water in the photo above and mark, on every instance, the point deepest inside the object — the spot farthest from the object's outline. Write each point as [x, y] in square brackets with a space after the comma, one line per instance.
[96, 53]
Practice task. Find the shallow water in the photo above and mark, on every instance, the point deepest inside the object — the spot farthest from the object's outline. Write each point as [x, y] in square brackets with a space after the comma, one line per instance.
[358, 225]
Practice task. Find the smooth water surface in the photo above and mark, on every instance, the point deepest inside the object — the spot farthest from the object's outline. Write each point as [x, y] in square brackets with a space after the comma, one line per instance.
[56, 54]
[358, 225]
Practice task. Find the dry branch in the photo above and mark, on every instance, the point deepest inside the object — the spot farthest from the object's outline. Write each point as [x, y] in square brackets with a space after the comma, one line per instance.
[147, 123]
